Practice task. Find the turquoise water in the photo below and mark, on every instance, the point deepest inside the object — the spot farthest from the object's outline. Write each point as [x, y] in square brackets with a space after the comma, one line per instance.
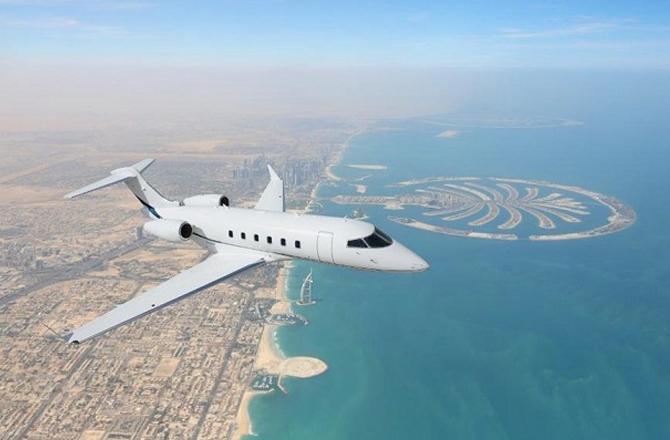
[499, 340]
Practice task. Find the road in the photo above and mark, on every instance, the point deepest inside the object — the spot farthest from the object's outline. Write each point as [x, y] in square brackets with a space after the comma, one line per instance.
[75, 270]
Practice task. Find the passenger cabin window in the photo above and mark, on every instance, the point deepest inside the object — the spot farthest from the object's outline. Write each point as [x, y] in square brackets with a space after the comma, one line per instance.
[377, 239]
[283, 242]
[230, 234]
[255, 237]
[297, 244]
[269, 239]
[243, 235]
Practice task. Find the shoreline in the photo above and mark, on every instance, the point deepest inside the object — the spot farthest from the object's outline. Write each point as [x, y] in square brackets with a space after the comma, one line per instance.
[269, 355]
[244, 426]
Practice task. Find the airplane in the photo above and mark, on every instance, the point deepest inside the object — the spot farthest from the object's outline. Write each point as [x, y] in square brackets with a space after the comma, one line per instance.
[240, 239]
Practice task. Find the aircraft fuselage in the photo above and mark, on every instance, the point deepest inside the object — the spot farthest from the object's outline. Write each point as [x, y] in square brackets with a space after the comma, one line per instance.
[309, 237]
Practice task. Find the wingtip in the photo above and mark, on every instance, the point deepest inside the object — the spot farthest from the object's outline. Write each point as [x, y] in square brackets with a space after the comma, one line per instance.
[143, 164]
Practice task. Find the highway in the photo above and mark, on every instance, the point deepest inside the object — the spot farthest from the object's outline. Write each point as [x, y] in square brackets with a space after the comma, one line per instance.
[219, 374]
[75, 270]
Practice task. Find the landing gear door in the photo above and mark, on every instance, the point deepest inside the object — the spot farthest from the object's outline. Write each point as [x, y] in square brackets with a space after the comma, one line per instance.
[324, 247]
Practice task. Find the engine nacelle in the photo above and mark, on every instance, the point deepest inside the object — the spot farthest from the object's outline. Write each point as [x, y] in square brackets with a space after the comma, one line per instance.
[170, 230]
[207, 200]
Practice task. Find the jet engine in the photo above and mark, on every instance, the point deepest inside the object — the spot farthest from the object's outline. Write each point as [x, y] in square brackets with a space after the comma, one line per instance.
[170, 230]
[207, 200]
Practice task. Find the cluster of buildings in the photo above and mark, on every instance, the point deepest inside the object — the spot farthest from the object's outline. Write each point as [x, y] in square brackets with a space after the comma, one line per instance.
[179, 373]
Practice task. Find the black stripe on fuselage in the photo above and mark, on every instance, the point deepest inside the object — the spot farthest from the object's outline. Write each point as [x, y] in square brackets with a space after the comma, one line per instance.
[151, 209]
[207, 238]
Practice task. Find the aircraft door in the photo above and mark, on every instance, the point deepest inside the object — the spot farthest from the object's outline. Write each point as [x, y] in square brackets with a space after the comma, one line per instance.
[324, 247]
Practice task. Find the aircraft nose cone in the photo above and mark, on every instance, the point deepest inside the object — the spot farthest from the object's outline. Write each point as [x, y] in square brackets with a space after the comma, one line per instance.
[400, 258]
[420, 264]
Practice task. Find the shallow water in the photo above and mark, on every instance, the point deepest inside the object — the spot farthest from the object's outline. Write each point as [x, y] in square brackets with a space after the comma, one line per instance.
[518, 340]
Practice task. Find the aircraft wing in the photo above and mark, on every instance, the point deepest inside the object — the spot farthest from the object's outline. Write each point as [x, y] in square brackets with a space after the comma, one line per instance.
[207, 273]
[272, 198]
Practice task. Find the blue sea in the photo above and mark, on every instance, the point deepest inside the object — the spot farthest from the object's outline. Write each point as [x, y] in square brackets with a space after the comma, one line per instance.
[498, 340]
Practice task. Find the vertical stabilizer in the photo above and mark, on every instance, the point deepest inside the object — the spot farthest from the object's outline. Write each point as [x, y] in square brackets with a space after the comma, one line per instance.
[272, 198]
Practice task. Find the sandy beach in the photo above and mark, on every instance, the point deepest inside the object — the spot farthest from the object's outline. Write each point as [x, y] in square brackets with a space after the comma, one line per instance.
[330, 174]
[371, 167]
[243, 417]
[269, 356]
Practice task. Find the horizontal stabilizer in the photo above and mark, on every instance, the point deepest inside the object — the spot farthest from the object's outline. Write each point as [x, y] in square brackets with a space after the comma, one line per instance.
[118, 175]
[102, 183]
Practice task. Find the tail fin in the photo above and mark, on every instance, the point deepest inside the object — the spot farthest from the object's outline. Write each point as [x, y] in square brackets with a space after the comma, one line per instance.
[272, 198]
[132, 176]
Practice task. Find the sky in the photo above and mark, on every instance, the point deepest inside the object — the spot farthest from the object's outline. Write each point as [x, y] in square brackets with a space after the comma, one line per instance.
[539, 34]
[72, 64]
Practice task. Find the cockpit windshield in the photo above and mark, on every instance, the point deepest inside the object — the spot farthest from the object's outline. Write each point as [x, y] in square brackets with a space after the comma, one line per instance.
[358, 243]
[377, 239]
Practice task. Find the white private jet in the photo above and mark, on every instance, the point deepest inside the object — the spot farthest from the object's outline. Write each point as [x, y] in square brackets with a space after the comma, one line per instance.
[239, 239]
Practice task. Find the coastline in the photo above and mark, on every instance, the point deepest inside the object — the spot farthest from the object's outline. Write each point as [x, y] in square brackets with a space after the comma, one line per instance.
[244, 427]
[269, 355]
[276, 413]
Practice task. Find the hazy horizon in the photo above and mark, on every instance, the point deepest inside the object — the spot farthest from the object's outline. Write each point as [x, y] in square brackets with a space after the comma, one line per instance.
[75, 98]
[104, 64]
